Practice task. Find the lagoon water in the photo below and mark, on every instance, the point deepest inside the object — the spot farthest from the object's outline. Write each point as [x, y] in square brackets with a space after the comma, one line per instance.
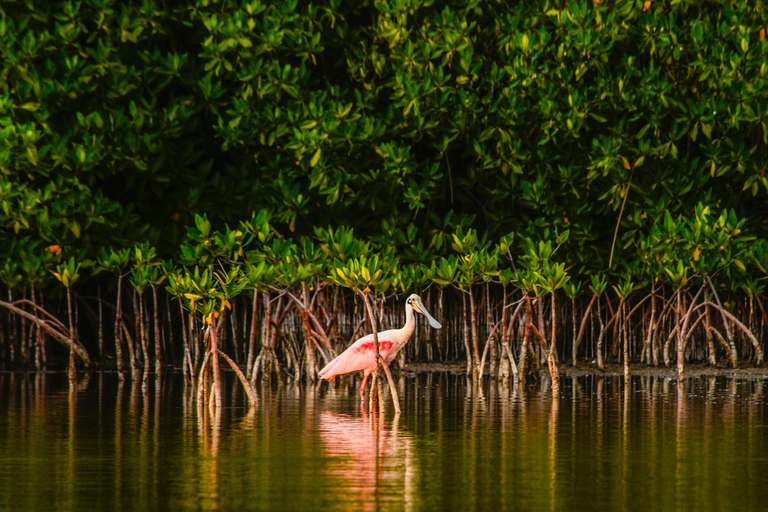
[647, 444]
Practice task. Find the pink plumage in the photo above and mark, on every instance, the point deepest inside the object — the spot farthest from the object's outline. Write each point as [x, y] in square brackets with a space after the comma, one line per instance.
[360, 356]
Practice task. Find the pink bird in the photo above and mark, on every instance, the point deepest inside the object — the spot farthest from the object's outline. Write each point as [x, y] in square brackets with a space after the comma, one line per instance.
[360, 356]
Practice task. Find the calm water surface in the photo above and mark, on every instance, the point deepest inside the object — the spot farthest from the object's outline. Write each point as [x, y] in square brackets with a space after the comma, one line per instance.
[119, 446]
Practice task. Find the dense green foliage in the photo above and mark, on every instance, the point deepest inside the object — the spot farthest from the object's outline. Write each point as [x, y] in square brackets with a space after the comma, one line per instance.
[573, 138]
[379, 115]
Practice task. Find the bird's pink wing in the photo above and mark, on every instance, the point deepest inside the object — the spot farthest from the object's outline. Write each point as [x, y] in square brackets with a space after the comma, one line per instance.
[358, 357]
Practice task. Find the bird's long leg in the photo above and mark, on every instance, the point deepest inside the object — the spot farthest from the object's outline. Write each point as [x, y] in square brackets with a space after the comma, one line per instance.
[365, 381]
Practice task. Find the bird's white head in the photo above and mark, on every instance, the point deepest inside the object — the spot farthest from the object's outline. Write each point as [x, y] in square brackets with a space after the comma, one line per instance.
[414, 301]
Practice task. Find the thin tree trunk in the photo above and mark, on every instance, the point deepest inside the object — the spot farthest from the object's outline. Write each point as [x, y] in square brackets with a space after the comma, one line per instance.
[625, 351]
[582, 328]
[131, 351]
[214, 350]
[170, 341]
[599, 347]
[464, 307]
[71, 370]
[551, 363]
[490, 323]
[762, 311]
[309, 340]
[118, 335]
[189, 369]
[506, 333]
[523, 358]
[138, 330]
[473, 324]
[39, 336]
[710, 341]
[24, 336]
[158, 344]
[333, 331]
[487, 345]
[655, 336]
[680, 340]
[574, 346]
[647, 345]
[194, 342]
[266, 362]
[543, 354]
[11, 328]
[750, 321]
[143, 335]
[252, 334]
[236, 345]
[202, 378]
[440, 332]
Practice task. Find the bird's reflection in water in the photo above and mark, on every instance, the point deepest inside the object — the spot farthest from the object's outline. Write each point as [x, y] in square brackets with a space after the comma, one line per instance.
[372, 459]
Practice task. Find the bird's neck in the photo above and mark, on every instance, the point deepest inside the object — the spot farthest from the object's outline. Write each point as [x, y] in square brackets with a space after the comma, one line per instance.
[410, 323]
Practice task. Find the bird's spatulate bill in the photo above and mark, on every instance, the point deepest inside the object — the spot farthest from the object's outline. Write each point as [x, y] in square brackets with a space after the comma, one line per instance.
[434, 323]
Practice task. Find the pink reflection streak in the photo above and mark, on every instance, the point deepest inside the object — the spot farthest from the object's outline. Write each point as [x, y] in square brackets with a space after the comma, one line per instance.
[372, 459]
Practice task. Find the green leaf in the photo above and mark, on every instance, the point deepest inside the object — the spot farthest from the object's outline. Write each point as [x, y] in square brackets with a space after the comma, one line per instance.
[32, 155]
[315, 158]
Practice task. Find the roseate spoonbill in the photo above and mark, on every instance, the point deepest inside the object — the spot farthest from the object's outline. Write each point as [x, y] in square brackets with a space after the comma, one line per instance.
[360, 356]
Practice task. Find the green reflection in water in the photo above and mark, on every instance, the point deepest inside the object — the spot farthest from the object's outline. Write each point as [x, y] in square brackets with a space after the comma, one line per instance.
[146, 446]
